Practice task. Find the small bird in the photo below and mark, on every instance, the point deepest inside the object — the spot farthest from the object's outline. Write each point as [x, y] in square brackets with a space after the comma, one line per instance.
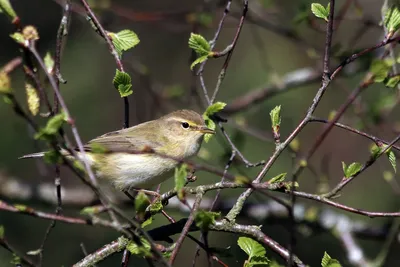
[177, 135]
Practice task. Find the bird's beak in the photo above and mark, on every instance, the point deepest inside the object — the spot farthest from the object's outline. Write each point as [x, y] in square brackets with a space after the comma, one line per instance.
[205, 130]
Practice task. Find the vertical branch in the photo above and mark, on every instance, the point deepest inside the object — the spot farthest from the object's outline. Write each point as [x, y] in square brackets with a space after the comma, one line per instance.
[231, 47]
[325, 81]
[186, 228]
[212, 45]
[113, 52]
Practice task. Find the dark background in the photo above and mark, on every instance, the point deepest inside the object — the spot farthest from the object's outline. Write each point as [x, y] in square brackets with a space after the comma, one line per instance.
[261, 57]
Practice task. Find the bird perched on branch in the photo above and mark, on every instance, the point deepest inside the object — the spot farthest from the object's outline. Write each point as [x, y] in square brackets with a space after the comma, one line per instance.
[144, 155]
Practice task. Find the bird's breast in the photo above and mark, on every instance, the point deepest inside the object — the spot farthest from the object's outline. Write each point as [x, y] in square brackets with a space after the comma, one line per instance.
[135, 171]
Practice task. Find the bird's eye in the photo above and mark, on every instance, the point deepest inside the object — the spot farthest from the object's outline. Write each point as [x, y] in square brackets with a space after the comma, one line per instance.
[185, 125]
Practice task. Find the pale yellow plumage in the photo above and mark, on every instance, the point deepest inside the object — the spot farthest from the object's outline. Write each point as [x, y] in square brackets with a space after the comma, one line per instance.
[178, 135]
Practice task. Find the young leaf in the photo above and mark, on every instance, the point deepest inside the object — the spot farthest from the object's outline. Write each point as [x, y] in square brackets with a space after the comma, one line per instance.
[352, 169]
[392, 159]
[258, 261]
[251, 247]
[392, 19]
[142, 250]
[90, 210]
[277, 179]
[49, 62]
[201, 47]
[5, 83]
[276, 118]
[320, 11]
[18, 37]
[1, 232]
[123, 83]
[141, 203]
[53, 125]
[392, 82]
[180, 179]
[156, 206]
[380, 68]
[124, 40]
[198, 61]
[32, 97]
[5, 7]
[375, 151]
[212, 109]
[204, 219]
[327, 261]
[147, 222]
[199, 44]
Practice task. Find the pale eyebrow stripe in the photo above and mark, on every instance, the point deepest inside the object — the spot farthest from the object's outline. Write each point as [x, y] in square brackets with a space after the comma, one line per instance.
[182, 120]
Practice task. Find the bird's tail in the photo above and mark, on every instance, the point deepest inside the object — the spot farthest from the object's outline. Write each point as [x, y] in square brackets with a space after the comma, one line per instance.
[34, 155]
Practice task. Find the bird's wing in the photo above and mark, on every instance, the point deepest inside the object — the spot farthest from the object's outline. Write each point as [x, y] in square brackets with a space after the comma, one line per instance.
[126, 140]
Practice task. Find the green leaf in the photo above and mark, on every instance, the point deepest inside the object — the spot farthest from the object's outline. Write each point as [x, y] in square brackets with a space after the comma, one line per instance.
[18, 37]
[141, 203]
[392, 159]
[1, 231]
[320, 11]
[49, 62]
[124, 40]
[392, 19]
[53, 157]
[21, 208]
[5, 83]
[5, 7]
[199, 44]
[258, 261]
[123, 83]
[380, 69]
[32, 98]
[392, 82]
[198, 61]
[156, 206]
[53, 125]
[204, 219]
[143, 250]
[16, 261]
[327, 261]
[147, 222]
[201, 47]
[180, 179]
[251, 247]
[375, 151]
[89, 210]
[352, 169]
[212, 109]
[277, 179]
[276, 118]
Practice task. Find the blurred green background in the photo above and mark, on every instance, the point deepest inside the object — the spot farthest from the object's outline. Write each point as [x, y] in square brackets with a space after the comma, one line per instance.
[261, 57]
